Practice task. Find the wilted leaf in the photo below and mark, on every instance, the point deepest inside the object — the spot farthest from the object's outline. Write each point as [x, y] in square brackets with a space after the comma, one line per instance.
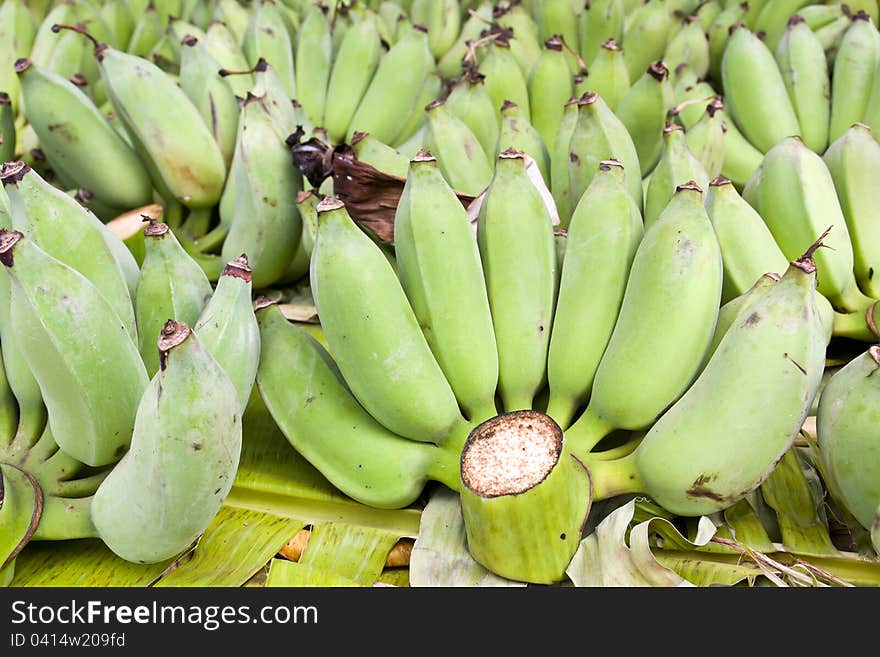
[356, 553]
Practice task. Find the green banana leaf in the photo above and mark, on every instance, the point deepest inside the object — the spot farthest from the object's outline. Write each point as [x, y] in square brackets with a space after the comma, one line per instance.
[440, 555]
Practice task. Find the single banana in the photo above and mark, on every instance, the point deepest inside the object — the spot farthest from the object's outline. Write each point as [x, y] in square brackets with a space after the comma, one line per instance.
[558, 18]
[462, 160]
[227, 327]
[236, 17]
[559, 162]
[449, 64]
[853, 160]
[518, 133]
[651, 358]
[734, 307]
[378, 155]
[264, 38]
[831, 36]
[691, 45]
[394, 88]
[754, 91]
[719, 32]
[86, 364]
[18, 29]
[313, 61]
[794, 193]
[550, 86]
[469, 101]
[853, 74]
[677, 166]
[415, 123]
[210, 92]
[643, 111]
[45, 40]
[707, 12]
[354, 65]
[820, 14]
[706, 138]
[646, 35]
[185, 450]
[393, 374]
[524, 44]
[603, 236]
[515, 238]
[804, 69]
[845, 421]
[773, 18]
[608, 74]
[148, 31]
[65, 230]
[225, 48]
[599, 22]
[7, 128]
[432, 232]
[172, 285]
[600, 135]
[120, 20]
[503, 77]
[443, 20]
[315, 409]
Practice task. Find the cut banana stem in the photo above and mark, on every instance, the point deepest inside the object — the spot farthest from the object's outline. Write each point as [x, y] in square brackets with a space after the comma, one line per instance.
[524, 497]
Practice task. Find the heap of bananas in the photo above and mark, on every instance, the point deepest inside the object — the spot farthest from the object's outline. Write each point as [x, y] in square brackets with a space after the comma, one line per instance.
[626, 234]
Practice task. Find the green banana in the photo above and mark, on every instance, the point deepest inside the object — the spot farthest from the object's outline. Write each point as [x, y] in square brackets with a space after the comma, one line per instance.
[236, 17]
[172, 285]
[264, 39]
[64, 325]
[66, 231]
[706, 138]
[643, 111]
[651, 359]
[773, 18]
[227, 327]
[719, 32]
[378, 155]
[820, 14]
[45, 40]
[646, 35]
[754, 91]
[734, 307]
[558, 18]
[603, 235]
[845, 418]
[462, 160]
[518, 133]
[691, 45]
[185, 450]
[515, 239]
[313, 61]
[677, 166]
[853, 73]
[469, 101]
[394, 375]
[608, 74]
[853, 160]
[599, 22]
[148, 31]
[443, 20]
[394, 88]
[524, 44]
[804, 69]
[559, 162]
[7, 128]
[550, 86]
[415, 122]
[503, 77]
[706, 12]
[18, 29]
[432, 232]
[211, 93]
[767, 369]
[831, 35]
[600, 135]
[353, 68]
[314, 408]
[449, 64]
[120, 20]
[794, 193]
[224, 47]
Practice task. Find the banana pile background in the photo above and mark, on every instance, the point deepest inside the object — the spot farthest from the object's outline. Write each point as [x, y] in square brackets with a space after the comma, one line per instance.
[269, 266]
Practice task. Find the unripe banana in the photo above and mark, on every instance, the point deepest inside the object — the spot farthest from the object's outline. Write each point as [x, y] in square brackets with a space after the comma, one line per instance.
[754, 91]
[148, 32]
[706, 138]
[853, 160]
[227, 327]
[87, 367]
[225, 48]
[646, 35]
[354, 65]
[773, 19]
[525, 44]
[415, 123]
[449, 64]
[677, 166]
[443, 20]
[767, 369]
[707, 12]
[651, 359]
[439, 267]
[18, 29]
[503, 77]
[470, 102]
[559, 162]
[691, 45]
[515, 238]
[313, 61]
[264, 38]
[820, 14]
[45, 40]
[550, 87]
[603, 235]
[172, 285]
[853, 74]
[210, 92]
[794, 193]
[600, 135]
[394, 87]
[7, 128]
[643, 110]
[378, 155]
[316, 411]
[719, 32]
[733, 308]
[804, 69]
[465, 165]
[831, 36]
[393, 374]
[846, 440]
[518, 133]
[600, 21]
[185, 449]
[65, 230]
[558, 18]
[608, 74]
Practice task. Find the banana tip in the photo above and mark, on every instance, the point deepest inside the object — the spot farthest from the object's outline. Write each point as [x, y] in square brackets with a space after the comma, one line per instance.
[8, 240]
[173, 333]
[12, 172]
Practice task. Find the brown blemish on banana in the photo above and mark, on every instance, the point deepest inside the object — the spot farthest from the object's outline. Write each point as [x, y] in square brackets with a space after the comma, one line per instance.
[796, 364]
[700, 489]
[752, 319]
